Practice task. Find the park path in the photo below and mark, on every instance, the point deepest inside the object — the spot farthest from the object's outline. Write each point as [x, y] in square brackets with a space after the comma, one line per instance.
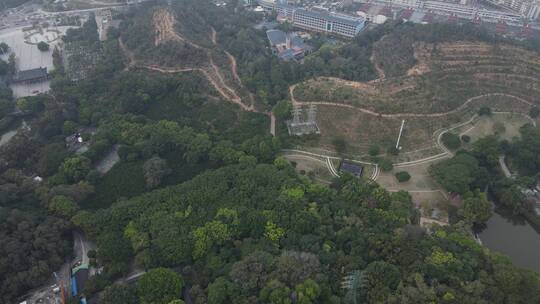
[504, 167]
[272, 124]
[295, 102]
[328, 161]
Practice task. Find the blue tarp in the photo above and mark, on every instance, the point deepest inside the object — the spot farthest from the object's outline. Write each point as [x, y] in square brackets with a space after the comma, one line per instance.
[73, 287]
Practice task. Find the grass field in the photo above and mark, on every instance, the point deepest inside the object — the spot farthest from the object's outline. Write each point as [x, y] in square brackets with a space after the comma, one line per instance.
[420, 179]
[488, 125]
[361, 130]
[312, 167]
[425, 193]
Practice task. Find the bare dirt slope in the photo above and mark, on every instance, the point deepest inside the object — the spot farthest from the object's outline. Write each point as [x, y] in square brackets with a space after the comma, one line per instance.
[163, 23]
[445, 77]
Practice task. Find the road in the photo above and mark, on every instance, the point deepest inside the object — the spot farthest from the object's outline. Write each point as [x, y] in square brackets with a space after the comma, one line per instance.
[504, 167]
[45, 294]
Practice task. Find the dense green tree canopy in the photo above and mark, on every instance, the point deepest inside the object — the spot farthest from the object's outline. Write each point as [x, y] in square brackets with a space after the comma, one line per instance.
[159, 286]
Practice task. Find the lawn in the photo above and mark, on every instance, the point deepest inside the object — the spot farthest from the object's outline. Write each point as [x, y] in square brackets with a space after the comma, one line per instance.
[311, 167]
[490, 125]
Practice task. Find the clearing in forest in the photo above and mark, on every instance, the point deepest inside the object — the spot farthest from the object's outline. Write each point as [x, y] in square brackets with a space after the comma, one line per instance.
[444, 85]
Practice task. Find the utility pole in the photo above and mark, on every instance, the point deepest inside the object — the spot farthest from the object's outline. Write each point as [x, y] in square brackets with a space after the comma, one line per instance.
[400, 132]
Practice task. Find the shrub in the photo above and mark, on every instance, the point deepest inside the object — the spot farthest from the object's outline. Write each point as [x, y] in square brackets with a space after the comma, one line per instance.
[339, 144]
[465, 138]
[386, 165]
[534, 112]
[374, 150]
[393, 150]
[403, 176]
[484, 111]
[43, 46]
[498, 128]
[451, 140]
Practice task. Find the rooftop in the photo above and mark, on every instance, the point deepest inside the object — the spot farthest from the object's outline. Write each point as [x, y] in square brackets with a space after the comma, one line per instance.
[352, 168]
[28, 75]
[278, 41]
[333, 17]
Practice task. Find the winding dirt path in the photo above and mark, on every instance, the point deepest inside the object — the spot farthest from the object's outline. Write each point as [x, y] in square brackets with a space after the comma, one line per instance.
[213, 35]
[163, 23]
[234, 67]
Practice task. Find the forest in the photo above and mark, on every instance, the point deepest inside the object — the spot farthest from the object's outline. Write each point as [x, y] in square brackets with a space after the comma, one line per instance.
[201, 201]
[479, 169]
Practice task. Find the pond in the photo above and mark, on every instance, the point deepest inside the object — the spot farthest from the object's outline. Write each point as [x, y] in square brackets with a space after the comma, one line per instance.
[514, 237]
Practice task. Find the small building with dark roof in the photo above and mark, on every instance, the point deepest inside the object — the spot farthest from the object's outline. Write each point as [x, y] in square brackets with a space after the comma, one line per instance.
[351, 168]
[287, 46]
[31, 76]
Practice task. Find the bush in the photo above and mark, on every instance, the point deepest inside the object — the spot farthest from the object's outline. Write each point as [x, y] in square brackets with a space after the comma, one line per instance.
[43, 46]
[282, 110]
[393, 150]
[534, 112]
[4, 48]
[339, 144]
[484, 111]
[498, 128]
[386, 165]
[403, 176]
[466, 138]
[451, 140]
[374, 150]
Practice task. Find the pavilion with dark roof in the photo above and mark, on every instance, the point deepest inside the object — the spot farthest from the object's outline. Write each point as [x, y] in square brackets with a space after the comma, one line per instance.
[351, 168]
[31, 76]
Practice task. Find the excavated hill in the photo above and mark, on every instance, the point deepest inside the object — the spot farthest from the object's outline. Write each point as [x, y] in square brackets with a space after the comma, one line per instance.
[176, 40]
[434, 79]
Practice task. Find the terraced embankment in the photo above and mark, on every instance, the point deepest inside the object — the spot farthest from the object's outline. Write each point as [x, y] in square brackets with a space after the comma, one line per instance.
[444, 77]
[447, 85]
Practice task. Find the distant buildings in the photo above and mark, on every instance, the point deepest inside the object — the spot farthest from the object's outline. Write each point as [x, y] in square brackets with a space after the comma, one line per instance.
[320, 21]
[287, 46]
[528, 8]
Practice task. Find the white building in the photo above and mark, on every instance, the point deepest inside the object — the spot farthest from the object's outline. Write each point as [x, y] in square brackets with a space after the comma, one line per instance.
[320, 21]
[528, 8]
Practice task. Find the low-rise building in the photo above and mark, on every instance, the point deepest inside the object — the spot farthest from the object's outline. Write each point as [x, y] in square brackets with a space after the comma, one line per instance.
[351, 168]
[31, 76]
[287, 46]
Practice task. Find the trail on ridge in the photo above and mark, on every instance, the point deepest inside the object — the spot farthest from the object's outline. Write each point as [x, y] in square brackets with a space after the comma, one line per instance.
[163, 22]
